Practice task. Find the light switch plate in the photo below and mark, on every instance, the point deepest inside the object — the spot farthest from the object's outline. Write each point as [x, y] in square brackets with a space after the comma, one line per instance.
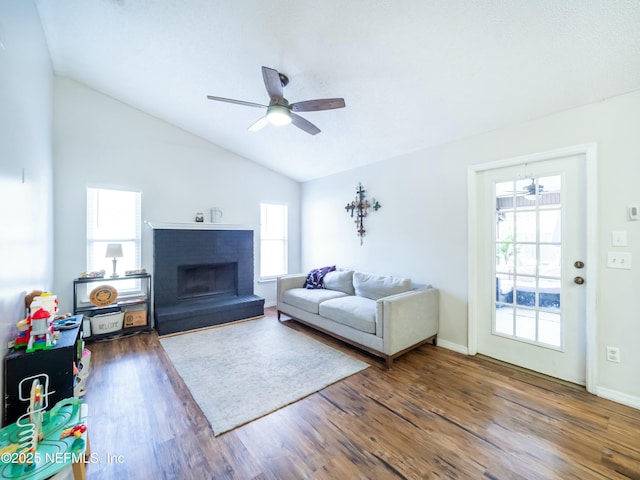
[619, 260]
[619, 238]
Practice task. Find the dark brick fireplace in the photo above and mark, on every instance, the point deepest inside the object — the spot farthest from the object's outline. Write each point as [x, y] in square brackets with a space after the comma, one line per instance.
[202, 277]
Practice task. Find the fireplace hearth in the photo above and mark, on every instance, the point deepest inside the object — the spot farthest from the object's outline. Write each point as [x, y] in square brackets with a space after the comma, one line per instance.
[202, 278]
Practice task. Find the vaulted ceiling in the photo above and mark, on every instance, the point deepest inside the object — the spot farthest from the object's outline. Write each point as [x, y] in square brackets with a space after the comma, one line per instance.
[413, 73]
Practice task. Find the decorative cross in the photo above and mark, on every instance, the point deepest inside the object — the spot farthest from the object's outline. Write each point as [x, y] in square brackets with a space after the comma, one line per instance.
[361, 206]
[350, 207]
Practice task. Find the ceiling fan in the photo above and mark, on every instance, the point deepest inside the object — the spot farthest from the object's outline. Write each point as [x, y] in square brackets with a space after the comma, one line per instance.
[279, 110]
[528, 191]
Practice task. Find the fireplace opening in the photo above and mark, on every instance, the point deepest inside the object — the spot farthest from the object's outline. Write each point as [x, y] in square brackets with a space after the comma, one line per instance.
[207, 280]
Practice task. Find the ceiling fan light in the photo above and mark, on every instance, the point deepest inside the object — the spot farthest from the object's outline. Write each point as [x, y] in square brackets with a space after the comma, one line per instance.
[533, 190]
[278, 115]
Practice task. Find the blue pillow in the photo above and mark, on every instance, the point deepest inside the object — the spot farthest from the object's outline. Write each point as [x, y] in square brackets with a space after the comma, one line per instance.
[315, 277]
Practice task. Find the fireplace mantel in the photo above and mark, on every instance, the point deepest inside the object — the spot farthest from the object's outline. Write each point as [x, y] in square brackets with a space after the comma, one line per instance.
[196, 226]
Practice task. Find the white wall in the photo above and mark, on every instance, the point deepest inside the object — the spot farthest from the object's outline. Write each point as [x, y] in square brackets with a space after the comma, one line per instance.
[421, 230]
[99, 141]
[26, 225]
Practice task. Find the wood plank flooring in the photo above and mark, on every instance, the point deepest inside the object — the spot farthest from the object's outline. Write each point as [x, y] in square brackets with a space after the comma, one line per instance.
[435, 414]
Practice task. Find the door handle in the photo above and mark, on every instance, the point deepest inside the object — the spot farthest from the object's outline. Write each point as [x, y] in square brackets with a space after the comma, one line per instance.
[579, 280]
[579, 264]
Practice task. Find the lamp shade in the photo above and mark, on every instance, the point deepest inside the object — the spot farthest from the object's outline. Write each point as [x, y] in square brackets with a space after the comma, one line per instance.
[114, 250]
[278, 115]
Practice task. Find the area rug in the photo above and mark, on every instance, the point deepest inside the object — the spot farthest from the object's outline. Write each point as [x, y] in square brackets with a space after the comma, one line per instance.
[241, 371]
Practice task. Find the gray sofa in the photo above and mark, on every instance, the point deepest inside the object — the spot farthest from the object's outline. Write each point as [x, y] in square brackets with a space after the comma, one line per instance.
[384, 315]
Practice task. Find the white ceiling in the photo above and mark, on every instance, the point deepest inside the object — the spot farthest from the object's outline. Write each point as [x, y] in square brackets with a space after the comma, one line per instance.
[413, 73]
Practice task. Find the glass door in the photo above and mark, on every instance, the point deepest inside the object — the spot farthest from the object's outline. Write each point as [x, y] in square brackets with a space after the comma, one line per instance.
[528, 245]
[532, 239]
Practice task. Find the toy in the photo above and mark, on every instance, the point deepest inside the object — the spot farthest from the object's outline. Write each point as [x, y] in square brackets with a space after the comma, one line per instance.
[34, 447]
[29, 298]
[22, 339]
[41, 331]
[11, 448]
[80, 388]
[97, 274]
[66, 322]
[45, 300]
[35, 332]
[30, 424]
[75, 431]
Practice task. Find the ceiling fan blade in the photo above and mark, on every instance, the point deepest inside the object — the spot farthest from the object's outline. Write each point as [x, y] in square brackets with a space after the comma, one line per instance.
[304, 124]
[238, 102]
[272, 83]
[319, 104]
[259, 124]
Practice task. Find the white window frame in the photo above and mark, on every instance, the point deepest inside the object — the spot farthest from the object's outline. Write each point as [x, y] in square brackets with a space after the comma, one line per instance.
[270, 236]
[94, 237]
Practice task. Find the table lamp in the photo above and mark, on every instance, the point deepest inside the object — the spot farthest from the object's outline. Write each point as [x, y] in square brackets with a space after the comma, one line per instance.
[114, 250]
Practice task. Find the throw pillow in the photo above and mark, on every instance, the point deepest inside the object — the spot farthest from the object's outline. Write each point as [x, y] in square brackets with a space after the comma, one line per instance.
[339, 280]
[316, 276]
[378, 286]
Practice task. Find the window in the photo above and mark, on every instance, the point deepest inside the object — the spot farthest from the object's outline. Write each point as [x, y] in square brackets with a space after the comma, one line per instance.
[273, 239]
[113, 216]
[528, 260]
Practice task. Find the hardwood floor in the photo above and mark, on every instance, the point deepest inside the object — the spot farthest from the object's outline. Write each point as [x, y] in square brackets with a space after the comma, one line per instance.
[435, 414]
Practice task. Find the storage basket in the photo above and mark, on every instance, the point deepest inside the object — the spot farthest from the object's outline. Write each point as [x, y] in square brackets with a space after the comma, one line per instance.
[106, 323]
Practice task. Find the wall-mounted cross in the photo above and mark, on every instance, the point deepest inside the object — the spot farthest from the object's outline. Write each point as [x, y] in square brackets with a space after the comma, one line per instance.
[361, 206]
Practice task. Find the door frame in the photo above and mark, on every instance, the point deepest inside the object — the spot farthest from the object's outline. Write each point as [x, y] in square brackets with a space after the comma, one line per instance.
[589, 152]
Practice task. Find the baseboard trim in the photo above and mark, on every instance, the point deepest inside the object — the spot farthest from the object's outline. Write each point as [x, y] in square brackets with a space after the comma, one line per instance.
[270, 304]
[456, 347]
[618, 397]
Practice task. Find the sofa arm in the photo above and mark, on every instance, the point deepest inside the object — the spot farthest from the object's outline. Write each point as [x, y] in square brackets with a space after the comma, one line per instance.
[287, 282]
[408, 318]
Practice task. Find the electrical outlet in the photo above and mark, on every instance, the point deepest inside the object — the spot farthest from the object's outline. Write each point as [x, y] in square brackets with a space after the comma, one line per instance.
[613, 354]
[619, 260]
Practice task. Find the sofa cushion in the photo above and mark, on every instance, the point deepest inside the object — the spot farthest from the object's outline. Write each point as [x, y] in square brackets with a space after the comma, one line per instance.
[377, 286]
[309, 299]
[316, 276]
[340, 280]
[355, 312]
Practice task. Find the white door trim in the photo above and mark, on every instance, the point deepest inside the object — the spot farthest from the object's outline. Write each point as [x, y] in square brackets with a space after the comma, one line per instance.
[589, 151]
